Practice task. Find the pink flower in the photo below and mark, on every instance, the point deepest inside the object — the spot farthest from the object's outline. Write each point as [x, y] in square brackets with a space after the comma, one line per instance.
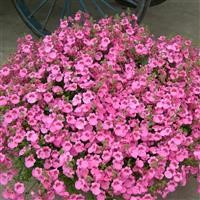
[79, 34]
[164, 151]
[197, 154]
[2, 157]
[44, 152]
[67, 146]
[67, 108]
[168, 174]
[120, 130]
[178, 177]
[95, 188]
[8, 118]
[32, 97]
[52, 54]
[19, 188]
[29, 161]
[80, 123]
[53, 174]
[14, 99]
[3, 101]
[117, 185]
[32, 136]
[37, 172]
[59, 186]
[71, 119]
[85, 136]
[92, 119]
[118, 156]
[26, 48]
[79, 184]
[23, 73]
[140, 49]
[5, 71]
[106, 156]
[158, 119]
[48, 97]
[76, 100]
[4, 179]
[57, 125]
[105, 42]
[134, 152]
[87, 97]
[166, 132]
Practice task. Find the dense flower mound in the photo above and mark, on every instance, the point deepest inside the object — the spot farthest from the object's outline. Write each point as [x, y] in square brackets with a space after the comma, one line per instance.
[99, 110]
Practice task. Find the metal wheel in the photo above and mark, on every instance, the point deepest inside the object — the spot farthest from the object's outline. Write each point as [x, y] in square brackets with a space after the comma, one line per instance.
[43, 16]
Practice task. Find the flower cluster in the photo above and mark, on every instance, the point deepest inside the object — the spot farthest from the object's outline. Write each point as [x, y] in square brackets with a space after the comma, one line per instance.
[99, 110]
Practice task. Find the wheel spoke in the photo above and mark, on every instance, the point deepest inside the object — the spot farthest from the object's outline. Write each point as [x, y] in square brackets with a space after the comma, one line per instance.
[133, 2]
[49, 13]
[109, 6]
[83, 6]
[98, 7]
[38, 8]
[67, 7]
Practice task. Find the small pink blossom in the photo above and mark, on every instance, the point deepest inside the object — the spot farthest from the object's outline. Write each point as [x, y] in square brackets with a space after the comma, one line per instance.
[3, 101]
[105, 41]
[92, 119]
[117, 186]
[37, 172]
[48, 97]
[32, 136]
[29, 161]
[5, 71]
[168, 174]
[120, 130]
[197, 154]
[80, 123]
[95, 188]
[19, 188]
[59, 186]
[32, 97]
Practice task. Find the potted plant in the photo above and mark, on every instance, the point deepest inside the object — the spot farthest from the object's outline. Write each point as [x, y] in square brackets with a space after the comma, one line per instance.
[99, 110]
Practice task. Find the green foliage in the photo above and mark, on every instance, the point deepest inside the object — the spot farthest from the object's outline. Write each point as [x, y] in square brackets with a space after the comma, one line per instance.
[46, 110]
[191, 162]
[130, 162]
[3, 109]
[142, 60]
[186, 128]
[158, 185]
[39, 163]
[42, 141]
[24, 173]
[23, 144]
[90, 196]
[70, 183]
[26, 125]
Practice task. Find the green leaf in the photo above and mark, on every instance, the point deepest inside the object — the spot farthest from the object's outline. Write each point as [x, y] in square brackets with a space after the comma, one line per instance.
[159, 184]
[24, 173]
[186, 128]
[90, 196]
[70, 184]
[191, 162]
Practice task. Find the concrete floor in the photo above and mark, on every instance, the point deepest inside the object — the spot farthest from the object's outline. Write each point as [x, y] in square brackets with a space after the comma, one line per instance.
[170, 18]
